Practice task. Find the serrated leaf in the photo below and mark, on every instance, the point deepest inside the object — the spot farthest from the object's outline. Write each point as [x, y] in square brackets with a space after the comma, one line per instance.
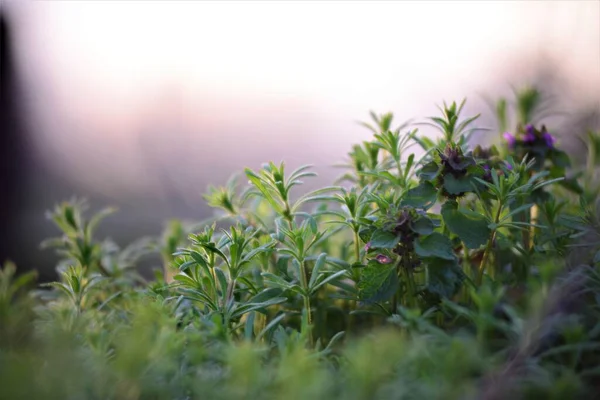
[455, 185]
[422, 226]
[429, 171]
[444, 277]
[377, 282]
[422, 196]
[471, 228]
[434, 245]
[381, 239]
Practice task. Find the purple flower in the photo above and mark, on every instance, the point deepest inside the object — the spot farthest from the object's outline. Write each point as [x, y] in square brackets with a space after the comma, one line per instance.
[549, 139]
[367, 246]
[508, 166]
[529, 134]
[382, 259]
[510, 139]
[487, 172]
[529, 137]
[530, 129]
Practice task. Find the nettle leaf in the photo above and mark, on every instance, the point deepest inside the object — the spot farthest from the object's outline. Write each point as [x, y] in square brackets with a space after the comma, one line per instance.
[434, 245]
[422, 226]
[464, 164]
[429, 171]
[422, 196]
[366, 232]
[384, 240]
[378, 282]
[455, 185]
[470, 227]
[444, 277]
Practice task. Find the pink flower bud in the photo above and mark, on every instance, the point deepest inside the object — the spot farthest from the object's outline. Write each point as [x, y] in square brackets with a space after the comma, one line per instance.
[382, 259]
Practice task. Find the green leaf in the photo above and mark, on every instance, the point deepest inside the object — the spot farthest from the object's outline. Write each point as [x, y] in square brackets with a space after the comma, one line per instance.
[265, 295]
[377, 282]
[249, 326]
[246, 308]
[444, 277]
[422, 226]
[429, 171]
[270, 326]
[313, 289]
[434, 245]
[422, 196]
[198, 258]
[317, 268]
[455, 185]
[222, 281]
[471, 228]
[276, 281]
[384, 240]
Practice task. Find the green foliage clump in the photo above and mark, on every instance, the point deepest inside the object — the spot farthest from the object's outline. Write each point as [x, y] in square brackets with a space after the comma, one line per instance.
[458, 273]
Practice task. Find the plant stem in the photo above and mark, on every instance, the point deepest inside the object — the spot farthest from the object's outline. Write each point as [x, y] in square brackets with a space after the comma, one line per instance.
[488, 247]
[526, 233]
[304, 282]
[400, 173]
[411, 283]
[467, 269]
[167, 273]
[394, 305]
[230, 290]
[355, 271]
[357, 247]
[532, 219]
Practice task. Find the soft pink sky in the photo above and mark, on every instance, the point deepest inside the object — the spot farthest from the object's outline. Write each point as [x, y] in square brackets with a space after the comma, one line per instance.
[117, 88]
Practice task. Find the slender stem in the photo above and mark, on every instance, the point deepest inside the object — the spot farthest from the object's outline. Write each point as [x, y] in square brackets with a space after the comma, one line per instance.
[287, 214]
[400, 173]
[230, 291]
[357, 247]
[395, 298]
[167, 274]
[211, 266]
[533, 219]
[411, 282]
[526, 233]
[394, 305]
[304, 283]
[105, 272]
[78, 304]
[467, 269]
[466, 260]
[488, 247]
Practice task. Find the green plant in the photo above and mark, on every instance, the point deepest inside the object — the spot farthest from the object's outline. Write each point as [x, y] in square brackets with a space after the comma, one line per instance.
[461, 273]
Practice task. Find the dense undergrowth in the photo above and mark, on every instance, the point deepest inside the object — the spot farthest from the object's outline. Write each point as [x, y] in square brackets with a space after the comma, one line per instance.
[449, 273]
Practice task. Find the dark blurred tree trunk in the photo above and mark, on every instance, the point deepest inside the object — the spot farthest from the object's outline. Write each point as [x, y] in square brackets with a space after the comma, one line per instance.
[12, 143]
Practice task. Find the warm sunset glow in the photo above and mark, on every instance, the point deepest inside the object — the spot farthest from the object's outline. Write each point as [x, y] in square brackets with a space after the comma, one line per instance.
[113, 70]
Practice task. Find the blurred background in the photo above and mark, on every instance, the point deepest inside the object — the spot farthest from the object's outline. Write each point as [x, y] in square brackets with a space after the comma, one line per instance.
[142, 104]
